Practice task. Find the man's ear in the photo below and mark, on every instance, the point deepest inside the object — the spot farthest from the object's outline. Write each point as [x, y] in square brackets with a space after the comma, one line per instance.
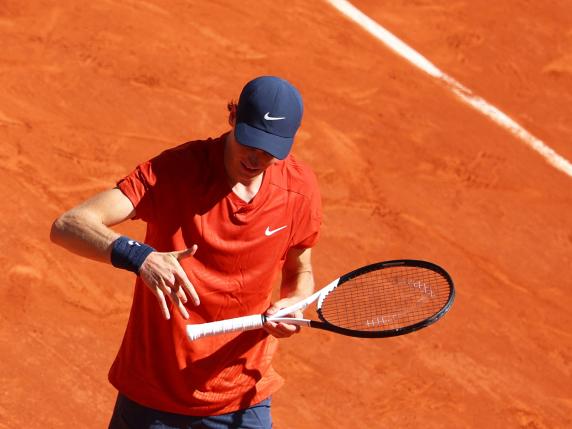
[232, 114]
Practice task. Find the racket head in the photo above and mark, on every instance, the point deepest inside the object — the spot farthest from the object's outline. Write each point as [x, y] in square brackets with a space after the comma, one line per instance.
[387, 299]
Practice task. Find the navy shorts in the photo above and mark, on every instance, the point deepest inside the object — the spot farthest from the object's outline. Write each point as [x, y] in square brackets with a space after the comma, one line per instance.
[130, 415]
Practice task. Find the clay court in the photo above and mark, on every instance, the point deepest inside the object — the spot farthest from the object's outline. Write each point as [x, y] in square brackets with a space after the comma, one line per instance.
[406, 169]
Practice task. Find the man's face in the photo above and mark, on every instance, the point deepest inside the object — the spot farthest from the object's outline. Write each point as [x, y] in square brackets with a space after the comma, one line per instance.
[244, 163]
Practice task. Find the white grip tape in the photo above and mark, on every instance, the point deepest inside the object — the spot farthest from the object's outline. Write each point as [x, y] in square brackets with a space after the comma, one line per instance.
[246, 323]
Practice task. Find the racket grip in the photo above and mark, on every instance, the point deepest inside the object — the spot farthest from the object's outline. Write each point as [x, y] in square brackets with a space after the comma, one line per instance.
[246, 323]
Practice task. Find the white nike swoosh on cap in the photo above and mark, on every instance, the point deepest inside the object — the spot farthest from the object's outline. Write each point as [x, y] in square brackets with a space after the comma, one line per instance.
[273, 118]
[269, 231]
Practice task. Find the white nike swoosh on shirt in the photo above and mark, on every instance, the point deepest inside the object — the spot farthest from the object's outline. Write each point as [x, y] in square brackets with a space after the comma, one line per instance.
[269, 231]
[273, 118]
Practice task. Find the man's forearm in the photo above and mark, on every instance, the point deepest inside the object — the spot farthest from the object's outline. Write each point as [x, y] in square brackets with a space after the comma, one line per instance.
[297, 285]
[84, 235]
[84, 230]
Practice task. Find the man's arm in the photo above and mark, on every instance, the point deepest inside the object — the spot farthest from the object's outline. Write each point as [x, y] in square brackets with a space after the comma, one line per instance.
[297, 284]
[85, 230]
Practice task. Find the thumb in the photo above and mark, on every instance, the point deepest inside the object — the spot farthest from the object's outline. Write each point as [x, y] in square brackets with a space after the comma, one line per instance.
[271, 310]
[182, 254]
[274, 307]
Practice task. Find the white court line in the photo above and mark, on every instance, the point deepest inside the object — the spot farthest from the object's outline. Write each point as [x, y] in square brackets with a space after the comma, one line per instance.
[465, 94]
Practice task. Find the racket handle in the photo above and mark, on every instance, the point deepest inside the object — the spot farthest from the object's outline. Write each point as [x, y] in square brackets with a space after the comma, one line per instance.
[246, 323]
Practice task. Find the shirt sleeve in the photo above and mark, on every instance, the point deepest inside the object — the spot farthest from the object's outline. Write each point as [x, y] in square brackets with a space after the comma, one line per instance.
[138, 186]
[154, 186]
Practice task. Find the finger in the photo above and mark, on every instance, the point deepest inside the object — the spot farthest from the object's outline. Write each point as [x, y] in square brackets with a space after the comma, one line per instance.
[270, 328]
[162, 303]
[287, 329]
[169, 281]
[180, 305]
[184, 281]
[166, 290]
[182, 254]
[279, 305]
[181, 295]
[272, 309]
[172, 285]
[297, 329]
[279, 330]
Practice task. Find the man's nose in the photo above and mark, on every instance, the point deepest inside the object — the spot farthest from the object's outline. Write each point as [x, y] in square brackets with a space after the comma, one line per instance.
[258, 157]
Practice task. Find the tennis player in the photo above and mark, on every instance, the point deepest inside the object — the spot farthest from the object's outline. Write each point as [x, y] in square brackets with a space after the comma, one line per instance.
[224, 216]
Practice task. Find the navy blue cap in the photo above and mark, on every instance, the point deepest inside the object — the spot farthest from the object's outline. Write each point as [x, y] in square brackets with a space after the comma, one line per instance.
[268, 115]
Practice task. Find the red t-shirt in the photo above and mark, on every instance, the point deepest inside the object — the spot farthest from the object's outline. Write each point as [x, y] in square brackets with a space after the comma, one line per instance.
[184, 197]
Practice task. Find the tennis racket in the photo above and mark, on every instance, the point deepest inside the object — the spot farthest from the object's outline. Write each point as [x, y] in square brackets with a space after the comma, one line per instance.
[378, 300]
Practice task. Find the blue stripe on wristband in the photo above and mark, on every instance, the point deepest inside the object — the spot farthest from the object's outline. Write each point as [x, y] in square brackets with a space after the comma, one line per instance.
[129, 254]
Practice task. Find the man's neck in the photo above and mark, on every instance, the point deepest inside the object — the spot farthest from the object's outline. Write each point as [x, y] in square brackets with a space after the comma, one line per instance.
[247, 191]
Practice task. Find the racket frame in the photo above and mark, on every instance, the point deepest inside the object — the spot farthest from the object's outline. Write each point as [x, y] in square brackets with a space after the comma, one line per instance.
[197, 331]
[325, 325]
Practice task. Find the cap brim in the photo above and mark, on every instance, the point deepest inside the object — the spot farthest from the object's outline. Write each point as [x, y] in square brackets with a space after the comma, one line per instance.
[278, 147]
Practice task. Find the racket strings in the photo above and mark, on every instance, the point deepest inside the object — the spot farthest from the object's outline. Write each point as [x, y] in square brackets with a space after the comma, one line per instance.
[386, 299]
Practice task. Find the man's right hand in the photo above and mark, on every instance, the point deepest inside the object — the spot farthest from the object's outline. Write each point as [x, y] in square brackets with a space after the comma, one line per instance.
[164, 276]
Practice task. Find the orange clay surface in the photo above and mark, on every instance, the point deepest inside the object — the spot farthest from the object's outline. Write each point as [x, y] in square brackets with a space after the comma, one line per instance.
[90, 89]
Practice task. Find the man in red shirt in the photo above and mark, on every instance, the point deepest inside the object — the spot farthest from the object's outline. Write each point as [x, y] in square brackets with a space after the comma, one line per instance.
[224, 216]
